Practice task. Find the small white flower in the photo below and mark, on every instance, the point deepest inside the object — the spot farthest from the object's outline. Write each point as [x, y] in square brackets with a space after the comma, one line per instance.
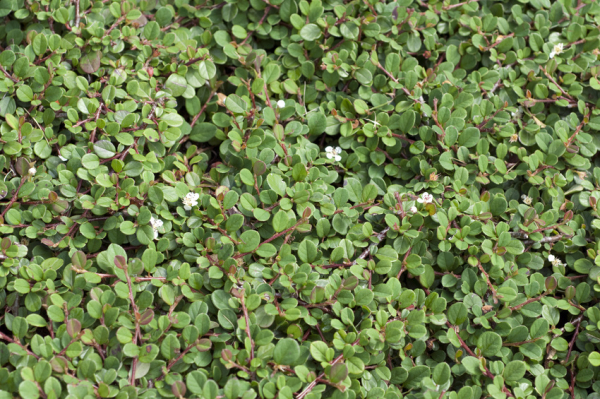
[190, 200]
[32, 171]
[518, 113]
[156, 224]
[554, 260]
[558, 48]
[334, 153]
[413, 209]
[527, 200]
[280, 104]
[426, 198]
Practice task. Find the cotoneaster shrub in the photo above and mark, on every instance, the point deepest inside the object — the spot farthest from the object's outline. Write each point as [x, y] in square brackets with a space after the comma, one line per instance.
[299, 200]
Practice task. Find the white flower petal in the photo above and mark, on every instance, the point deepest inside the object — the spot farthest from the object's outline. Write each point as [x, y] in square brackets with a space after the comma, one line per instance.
[338, 158]
[338, 150]
[413, 209]
[551, 258]
[330, 155]
[329, 149]
[280, 104]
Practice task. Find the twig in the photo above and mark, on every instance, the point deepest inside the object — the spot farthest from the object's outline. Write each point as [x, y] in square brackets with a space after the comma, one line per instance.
[7, 74]
[74, 339]
[366, 251]
[212, 93]
[487, 372]
[178, 358]
[15, 341]
[370, 7]
[390, 75]
[268, 240]
[496, 85]
[403, 137]
[497, 42]
[257, 26]
[568, 143]
[121, 19]
[445, 8]
[435, 118]
[555, 83]
[489, 283]
[77, 17]
[544, 240]
[407, 254]
[14, 198]
[519, 343]
[517, 307]
[572, 343]
[136, 318]
[310, 386]
[245, 310]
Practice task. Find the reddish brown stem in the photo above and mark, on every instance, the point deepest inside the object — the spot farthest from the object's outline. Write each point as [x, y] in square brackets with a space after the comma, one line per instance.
[247, 319]
[14, 198]
[517, 307]
[16, 341]
[268, 240]
[212, 93]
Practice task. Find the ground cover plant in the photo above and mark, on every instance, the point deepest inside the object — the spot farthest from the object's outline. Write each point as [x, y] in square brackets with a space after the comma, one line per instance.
[299, 199]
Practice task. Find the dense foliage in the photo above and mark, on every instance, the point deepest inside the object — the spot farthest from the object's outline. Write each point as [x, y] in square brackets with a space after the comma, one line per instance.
[299, 199]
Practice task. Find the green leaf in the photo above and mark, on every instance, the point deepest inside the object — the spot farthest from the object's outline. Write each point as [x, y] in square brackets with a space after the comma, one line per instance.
[90, 63]
[317, 123]
[235, 104]
[28, 390]
[280, 221]
[469, 137]
[594, 359]
[250, 240]
[514, 370]
[338, 373]
[207, 69]
[169, 347]
[176, 84]
[489, 343]
[457, 314]
[441, 373]
[310, 32]
[407, 121]
[286, 352]
[104, 149]
[307, 251]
